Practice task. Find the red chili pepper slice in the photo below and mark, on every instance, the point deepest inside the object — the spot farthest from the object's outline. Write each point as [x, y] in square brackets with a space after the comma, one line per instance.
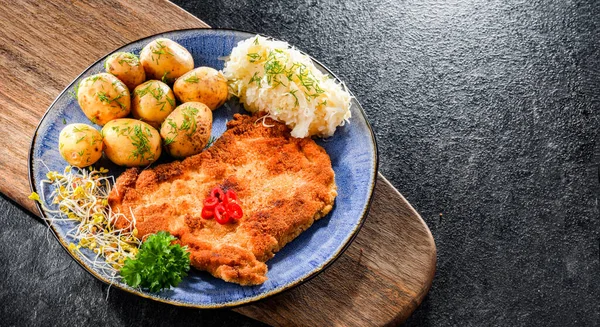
[207, 213]
[211, 202]
[234, 210]
[221, 215]
[217, 192]
[230, 195]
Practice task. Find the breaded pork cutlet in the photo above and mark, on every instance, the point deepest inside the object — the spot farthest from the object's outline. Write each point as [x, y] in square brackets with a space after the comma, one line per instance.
[283, 185]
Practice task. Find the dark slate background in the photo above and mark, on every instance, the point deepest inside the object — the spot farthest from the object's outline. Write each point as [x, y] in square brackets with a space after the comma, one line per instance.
[487, 117]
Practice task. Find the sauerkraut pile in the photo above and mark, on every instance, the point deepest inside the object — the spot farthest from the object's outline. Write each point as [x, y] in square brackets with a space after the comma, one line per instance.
[272, 77]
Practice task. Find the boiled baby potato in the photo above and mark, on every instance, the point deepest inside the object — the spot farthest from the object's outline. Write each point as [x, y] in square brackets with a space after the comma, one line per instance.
[103, 97]
[187, 129]
[126, 67]
[165, 60]
[80, 145]
[152, 102]
[203, 84]
[131, 142]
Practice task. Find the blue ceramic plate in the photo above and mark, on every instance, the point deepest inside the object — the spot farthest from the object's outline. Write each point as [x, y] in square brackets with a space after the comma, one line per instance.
[353, 154]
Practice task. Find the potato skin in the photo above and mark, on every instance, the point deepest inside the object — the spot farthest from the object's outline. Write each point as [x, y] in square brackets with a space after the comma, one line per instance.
[164, 57]
[126, 67]
[80, 144]
[103, 97]
[130, 142]
[187, 129]
[152, 102]
[203, 84]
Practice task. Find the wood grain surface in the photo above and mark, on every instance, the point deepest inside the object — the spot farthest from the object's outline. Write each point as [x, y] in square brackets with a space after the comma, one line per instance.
[379, 280]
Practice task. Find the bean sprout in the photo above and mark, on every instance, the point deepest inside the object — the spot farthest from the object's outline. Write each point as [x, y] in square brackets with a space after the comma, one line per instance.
[81, 196]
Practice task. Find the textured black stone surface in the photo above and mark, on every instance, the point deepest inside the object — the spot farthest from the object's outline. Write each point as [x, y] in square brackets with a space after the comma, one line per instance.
[487, 117]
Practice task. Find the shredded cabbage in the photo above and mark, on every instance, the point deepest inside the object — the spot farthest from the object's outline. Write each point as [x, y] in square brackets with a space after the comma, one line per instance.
[272, 77]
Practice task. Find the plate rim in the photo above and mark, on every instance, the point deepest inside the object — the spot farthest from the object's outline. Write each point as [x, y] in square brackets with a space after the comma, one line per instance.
[230, 304]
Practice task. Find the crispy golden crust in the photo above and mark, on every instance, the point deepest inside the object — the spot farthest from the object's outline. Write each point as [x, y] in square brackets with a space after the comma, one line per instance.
[283, 183]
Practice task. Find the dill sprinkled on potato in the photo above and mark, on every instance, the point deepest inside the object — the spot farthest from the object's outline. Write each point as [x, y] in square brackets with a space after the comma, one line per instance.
[173, 126]
[103, 97]
[192, 79]
[158, 93]
[140, 139]
[169, 140]
[129, 58]
[171, 101]
[96, 140]
[80, 129]
[94, 78]
[106, 99]
[145, 90]
[159, 50]
[189, 120]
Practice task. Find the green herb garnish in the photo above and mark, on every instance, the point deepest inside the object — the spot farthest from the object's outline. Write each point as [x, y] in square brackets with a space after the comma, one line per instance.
[169, 140]
[210, 142]
[189, 120]
[145, 90]
[255, 78]
[171, 101]
[254, 57]
[140, 140]
[75, 90]
[106, 99]
[159, 264]
[192, 79]
[95, 78]
[293, 93]
[173, 126]
[103, 97]
[77, 129]
[159, 50]
[129, 58]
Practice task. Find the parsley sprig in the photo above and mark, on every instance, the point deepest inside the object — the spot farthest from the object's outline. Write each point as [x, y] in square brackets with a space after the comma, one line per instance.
[159, 264]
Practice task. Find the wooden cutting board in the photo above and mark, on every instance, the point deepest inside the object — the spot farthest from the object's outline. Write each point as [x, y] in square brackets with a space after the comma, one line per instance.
[379, 280]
